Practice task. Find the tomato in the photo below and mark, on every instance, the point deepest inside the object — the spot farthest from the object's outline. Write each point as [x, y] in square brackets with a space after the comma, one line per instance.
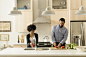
[62, 47]
[55, 46]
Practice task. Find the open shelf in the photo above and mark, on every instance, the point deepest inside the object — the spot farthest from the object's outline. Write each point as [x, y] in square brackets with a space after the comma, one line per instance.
[23, 4]
[59, 4]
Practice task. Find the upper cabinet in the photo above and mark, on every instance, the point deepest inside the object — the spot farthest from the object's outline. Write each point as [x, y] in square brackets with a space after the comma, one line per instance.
[75, 17]
[59, 4]
[22, 21]
[24, 4]
[84, 3]
[75, 4]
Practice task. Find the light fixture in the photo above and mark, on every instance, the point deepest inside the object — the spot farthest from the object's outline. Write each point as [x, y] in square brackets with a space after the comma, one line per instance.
[15, 12]
[81, 10]
[48, 11]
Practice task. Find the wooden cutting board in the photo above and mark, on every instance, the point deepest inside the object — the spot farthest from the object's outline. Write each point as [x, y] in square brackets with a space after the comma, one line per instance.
[53, 48]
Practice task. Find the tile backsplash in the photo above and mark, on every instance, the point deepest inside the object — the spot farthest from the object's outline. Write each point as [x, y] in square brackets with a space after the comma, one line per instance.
[43, 30]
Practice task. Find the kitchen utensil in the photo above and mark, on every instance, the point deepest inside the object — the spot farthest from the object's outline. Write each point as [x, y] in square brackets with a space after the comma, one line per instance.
[43, 44]
[64, 7]
[60, 7]
[46, 38]
[62, 3]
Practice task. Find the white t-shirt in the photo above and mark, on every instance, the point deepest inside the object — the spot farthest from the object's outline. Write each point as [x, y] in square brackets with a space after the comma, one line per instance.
[32, 39]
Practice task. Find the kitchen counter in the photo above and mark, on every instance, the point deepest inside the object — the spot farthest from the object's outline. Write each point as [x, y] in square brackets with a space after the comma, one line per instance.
[20, 44]
[21, 52]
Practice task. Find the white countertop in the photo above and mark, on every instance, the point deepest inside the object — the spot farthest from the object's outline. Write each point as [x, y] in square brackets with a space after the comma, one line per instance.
[22, 52]
[20, 44]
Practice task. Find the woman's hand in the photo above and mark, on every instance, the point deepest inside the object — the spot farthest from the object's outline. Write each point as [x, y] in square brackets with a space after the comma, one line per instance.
[32, 45]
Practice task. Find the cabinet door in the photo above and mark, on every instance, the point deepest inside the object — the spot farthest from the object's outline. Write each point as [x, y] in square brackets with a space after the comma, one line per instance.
[19, 46]
[19, 20]
[75, 4]
[22, 21]
[84, 3]
[75, 17]
[27, 19]
[60, 14]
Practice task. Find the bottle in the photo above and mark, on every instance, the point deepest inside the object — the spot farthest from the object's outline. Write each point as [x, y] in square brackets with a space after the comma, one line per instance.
[25, 7]
[18, 38]
[4, 45]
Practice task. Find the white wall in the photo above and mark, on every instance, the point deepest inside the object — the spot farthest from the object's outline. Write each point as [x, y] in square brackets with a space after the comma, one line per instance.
[5, 7]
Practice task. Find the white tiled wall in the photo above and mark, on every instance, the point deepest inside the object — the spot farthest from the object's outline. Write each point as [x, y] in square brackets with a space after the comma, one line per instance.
[43, 30]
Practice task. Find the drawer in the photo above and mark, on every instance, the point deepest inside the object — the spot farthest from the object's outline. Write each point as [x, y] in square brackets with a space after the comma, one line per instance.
[19, 46]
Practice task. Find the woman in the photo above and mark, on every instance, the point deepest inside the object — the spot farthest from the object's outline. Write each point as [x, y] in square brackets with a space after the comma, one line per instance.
[32, 36]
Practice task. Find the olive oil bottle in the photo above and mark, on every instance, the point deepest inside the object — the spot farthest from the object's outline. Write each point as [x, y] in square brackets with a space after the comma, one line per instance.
[18, 38]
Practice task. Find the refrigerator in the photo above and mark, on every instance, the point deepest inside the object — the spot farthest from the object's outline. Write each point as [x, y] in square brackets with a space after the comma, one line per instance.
[78, 32]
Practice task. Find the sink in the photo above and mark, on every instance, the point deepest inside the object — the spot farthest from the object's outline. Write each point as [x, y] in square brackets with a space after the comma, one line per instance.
[36, 49]
[29, 49]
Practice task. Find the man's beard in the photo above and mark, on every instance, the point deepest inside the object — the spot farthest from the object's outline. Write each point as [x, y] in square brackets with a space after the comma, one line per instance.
[61, 26]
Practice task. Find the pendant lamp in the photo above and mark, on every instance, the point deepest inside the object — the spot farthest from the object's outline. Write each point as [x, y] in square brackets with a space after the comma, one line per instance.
[81, 10]
[48, 11]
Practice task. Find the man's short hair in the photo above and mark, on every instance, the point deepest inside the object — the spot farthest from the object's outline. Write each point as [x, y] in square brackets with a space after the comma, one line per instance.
[62, 19]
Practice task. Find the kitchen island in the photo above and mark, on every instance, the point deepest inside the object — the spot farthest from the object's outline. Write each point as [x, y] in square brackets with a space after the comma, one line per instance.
[20, 52]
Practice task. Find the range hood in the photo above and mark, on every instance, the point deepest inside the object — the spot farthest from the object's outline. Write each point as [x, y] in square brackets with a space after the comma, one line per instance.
[40, 8]
[41, 20]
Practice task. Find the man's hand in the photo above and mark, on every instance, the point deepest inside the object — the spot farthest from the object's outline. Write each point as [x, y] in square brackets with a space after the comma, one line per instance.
[59, 45]
[54, 43]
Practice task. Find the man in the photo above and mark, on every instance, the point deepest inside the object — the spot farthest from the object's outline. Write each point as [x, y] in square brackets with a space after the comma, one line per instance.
[59, 33]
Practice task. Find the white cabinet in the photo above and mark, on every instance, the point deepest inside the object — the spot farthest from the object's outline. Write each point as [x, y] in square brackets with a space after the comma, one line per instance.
[75, 4]
[22, 21]
[20, 45]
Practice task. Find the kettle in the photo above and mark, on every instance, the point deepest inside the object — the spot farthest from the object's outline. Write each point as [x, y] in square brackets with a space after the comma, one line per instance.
[46, 38]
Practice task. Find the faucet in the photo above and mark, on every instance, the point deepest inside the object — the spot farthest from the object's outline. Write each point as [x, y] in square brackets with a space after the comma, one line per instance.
[35, 44]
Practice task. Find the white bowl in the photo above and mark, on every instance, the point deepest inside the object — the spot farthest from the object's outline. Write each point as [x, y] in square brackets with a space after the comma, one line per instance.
[81, 48]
